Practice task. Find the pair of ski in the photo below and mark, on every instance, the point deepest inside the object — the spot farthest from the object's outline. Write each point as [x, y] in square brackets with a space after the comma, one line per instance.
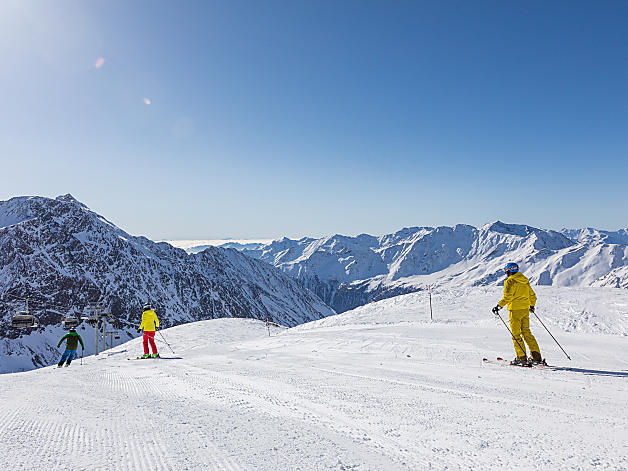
[502, 362]
[155, 358]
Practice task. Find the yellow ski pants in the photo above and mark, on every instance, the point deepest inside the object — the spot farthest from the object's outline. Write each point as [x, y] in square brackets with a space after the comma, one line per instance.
[520, 325]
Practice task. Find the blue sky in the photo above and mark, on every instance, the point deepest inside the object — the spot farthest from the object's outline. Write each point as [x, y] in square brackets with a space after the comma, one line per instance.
[309, 118]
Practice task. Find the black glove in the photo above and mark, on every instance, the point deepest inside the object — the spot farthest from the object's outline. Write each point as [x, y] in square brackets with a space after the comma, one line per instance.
[496, 310]
[139, 330]
[532, 309]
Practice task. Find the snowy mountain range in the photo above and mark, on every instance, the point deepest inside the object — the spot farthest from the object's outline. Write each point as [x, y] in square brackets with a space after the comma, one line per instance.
[228, 245]
[196, 246]
[62, 255]
[347, 272]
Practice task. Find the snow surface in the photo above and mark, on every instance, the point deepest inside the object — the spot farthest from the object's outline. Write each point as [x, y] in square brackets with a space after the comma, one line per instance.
[377, 388]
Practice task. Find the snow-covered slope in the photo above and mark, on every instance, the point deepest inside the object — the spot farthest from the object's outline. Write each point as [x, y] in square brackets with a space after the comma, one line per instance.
[377, 388]
[347, 272]
[590, 234]
[62, 256]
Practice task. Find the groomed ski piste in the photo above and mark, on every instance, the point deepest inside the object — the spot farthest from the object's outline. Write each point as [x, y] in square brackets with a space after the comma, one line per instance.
[378, 388]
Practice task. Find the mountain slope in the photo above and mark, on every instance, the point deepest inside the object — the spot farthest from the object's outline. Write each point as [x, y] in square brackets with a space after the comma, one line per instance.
[62, 256]
[347, 272]
[590, 234]
[377, 388]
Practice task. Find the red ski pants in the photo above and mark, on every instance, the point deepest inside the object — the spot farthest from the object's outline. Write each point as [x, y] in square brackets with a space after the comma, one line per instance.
[149, 337]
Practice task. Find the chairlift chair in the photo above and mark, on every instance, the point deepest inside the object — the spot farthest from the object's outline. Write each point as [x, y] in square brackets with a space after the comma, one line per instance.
[91, 320]
[24, 320]
[70, 322]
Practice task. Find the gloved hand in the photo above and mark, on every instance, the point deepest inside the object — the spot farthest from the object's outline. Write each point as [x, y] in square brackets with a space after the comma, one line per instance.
[139, 330]
[532, 309]
[496, 310]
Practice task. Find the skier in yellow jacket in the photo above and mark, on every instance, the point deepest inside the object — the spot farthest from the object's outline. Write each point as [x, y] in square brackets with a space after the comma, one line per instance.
[150, 323]
[520, 299]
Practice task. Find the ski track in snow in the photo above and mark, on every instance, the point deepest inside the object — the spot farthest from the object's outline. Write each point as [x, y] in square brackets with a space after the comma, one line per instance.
[371, 389]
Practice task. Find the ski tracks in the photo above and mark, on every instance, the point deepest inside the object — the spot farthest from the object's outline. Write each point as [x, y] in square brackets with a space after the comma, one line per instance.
[304, 405]
[533, 444]
[165, 442]
[30, 442]
[38, 433]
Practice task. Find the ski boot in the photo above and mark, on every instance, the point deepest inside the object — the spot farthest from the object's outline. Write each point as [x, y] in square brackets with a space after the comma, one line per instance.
[520, 361]
[146, 355]
[155, 355]
[536, 359]
[60, 365]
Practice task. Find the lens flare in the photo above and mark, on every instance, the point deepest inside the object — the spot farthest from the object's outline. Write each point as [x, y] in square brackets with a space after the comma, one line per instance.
[146, 101]
[99, 62]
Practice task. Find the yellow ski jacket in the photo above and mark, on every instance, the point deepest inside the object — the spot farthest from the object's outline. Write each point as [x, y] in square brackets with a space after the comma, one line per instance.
[518, 294]
[150, 323]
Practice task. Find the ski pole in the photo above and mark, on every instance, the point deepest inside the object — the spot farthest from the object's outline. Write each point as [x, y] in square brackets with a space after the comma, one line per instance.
[81, 356]
[162, 336]
[551, 335]
[511, 334]
[429, 288]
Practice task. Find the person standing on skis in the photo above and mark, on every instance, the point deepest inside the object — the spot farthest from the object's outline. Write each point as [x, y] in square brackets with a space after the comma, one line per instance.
[73, 338]
[150, 323]
[520, 299]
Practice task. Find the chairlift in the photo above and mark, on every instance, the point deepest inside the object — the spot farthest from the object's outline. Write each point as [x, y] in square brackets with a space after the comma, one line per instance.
[91, 320]
[70, 322]
[24, 320]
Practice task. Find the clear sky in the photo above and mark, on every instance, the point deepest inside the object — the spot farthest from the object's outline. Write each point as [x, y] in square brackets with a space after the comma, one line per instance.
[247, 119]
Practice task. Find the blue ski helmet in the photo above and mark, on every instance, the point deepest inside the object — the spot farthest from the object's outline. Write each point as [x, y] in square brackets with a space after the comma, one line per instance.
[511, 268]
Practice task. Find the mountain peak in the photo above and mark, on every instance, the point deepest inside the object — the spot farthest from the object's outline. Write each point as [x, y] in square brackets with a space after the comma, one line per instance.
[68, 198]
[520, 230]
